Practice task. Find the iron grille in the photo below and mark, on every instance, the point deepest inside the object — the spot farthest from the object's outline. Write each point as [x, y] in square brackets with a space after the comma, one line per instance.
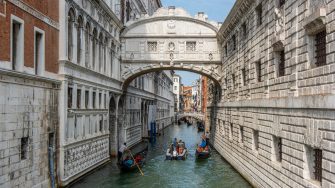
[318, 165]
[320, 48]
[280, 149]
[259, 71]
[282, 64]
[281, 3]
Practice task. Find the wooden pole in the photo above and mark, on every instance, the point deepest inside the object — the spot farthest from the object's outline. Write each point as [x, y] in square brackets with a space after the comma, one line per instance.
[136, 163]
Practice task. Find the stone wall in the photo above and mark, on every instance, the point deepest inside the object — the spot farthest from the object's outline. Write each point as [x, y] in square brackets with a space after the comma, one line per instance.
[28, 119]
[260, 106]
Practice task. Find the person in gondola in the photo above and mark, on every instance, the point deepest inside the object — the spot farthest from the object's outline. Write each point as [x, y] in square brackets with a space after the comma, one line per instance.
[203, 141]
[121, 150]
[138, 158]
[128, 162]
[207, 137]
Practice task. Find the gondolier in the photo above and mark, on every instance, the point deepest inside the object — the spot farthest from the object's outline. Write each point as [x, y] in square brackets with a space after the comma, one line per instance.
[121, 150]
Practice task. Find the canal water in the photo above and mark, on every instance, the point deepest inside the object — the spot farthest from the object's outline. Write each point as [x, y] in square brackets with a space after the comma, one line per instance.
[159, 173]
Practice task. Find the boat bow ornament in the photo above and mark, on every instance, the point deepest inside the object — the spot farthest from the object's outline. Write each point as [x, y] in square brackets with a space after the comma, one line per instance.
[170, 40]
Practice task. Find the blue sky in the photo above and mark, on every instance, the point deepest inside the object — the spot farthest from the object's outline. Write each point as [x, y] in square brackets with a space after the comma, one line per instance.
[217, 10]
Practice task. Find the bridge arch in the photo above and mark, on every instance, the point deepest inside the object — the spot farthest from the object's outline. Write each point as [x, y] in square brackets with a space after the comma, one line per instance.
[170, 40]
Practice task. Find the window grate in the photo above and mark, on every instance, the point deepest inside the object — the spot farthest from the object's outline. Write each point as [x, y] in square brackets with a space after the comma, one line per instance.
[318, 165]
[281, 67]
[152, 46]
[191, 46]
[280, 151]
[69, 97]
[320, 48]
[281, 3]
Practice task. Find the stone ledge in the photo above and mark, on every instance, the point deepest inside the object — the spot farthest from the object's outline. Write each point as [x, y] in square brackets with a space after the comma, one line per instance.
[323, 102]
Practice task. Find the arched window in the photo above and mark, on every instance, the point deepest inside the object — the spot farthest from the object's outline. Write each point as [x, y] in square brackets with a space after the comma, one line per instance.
[70, 22]
[128, 11]
[94, 46]
[105, 54]
[112, 52]
[100, 61]
[87, 44]
[79, 39]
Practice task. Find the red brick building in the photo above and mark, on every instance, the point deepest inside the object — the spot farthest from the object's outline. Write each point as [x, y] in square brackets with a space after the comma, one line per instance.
[28, 92]
[204, 90]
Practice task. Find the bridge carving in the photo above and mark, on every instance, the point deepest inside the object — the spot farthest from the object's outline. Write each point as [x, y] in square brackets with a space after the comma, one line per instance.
[170, 39]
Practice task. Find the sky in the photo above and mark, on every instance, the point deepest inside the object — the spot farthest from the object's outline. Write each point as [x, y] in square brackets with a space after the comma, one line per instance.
[217, 10]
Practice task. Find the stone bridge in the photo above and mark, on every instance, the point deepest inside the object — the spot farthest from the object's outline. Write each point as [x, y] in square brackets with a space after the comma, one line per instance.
[170, 40]
[196, 115]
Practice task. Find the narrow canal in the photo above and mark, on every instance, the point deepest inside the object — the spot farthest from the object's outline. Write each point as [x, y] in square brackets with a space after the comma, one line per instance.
[213, 172]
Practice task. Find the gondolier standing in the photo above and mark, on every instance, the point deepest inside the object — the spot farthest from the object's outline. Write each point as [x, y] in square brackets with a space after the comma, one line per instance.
[121, 150]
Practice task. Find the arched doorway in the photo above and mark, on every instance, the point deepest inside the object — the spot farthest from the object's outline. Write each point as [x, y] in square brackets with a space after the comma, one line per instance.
[112, 127]
[121, 116]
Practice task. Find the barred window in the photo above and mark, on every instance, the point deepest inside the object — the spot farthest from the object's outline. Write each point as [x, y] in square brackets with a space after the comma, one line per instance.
[258, 71]
[244, 31]
[277, 148]
[87, 95]
[256, 138]
[259, 13]
[69, 97]
[152, 46]
[244, 77]
[191, 46]
[234, 42]
[318, 164]
[78, 98]
[281, 3]
[320, 48]
[241, 134]
[281, 65]
[24, 148]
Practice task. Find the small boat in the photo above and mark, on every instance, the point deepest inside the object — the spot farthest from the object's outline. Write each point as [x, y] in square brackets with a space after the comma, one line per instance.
[201, 127]
[175, 156]
[140, 149]
[203, 154]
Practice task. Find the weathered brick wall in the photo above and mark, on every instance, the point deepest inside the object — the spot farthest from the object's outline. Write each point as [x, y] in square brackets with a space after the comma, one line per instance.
[298, 107]
[28, 108]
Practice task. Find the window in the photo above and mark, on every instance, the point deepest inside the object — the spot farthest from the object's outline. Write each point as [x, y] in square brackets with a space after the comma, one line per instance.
[69, 97]
[231, 131]
[100, 100]
[24, 148]
[244, 77]
[79, 38]
[234, 42]
[233, 80]
[313, 164]
[241, 134]
[256, 138]
[17, 43]
[78, 98]
[244, 30]
[226, 50]
[39, 55]
[281, 65]
[70, 23]
[100, 61]
[259, 13]
[104, 102]
[152, 46]
[112, 56]
[258, 71]
[191, 46]
[87, 95]
[281, 3]
[128, 11]
[101, 122]
[277, 148]
[175, 87]
[94, 47]
[87, 45]
[320, 48]
[94, 99]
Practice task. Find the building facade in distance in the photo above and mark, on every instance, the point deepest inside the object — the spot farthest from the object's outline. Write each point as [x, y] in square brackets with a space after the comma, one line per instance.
[176, 91]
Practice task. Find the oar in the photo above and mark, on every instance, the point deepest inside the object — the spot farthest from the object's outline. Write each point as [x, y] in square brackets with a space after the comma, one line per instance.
[136, 163]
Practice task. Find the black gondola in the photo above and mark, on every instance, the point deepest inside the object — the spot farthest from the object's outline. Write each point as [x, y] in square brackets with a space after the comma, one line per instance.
[202, 155]
[139, 149]
[201, 127]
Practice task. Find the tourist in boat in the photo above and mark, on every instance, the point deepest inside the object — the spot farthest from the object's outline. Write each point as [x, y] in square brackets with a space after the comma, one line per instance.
[169, 152]
[203, 141]
[207, 137]
[121, 150]
[128, 162]
[138, 158]
[175, 142]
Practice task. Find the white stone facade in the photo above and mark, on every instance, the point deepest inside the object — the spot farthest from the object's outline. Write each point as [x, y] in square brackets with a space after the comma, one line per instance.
[176, 91]
[265, 105]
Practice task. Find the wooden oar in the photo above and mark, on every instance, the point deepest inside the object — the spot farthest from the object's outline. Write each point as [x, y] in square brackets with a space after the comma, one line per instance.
[136, 163]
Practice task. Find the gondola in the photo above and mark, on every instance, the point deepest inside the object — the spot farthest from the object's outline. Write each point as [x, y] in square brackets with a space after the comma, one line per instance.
[177, 157]
[202, 155]
[139, 149]
[200, 128]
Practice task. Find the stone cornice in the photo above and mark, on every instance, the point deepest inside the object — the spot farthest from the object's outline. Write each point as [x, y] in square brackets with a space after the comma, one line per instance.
[37, 14]
[164, 18]
[235, 15]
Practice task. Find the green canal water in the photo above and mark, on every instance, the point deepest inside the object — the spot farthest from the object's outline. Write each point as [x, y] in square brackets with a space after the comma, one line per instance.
[159, 173]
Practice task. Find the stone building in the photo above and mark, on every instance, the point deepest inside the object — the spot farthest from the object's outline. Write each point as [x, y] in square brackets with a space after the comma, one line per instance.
[176, 91]
[28, 92]
[276, 116]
